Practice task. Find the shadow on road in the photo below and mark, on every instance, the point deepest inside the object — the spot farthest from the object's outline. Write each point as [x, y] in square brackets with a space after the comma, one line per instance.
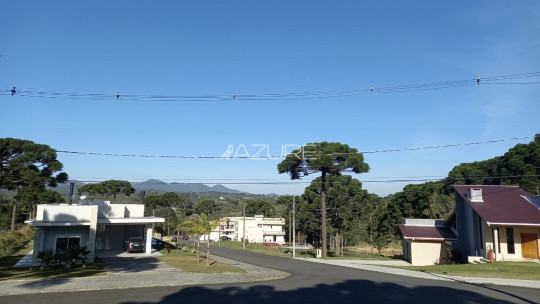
[352, 291]
[130, 264]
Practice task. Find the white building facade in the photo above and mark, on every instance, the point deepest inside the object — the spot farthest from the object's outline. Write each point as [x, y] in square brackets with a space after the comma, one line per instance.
[258, 229]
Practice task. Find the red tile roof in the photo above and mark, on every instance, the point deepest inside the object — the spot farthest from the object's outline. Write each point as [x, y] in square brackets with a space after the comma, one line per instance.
[502, 205]
[427, 232]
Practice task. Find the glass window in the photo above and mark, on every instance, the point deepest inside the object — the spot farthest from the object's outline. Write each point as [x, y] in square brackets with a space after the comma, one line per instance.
[480, 233]
[510, 240]
[63, 243]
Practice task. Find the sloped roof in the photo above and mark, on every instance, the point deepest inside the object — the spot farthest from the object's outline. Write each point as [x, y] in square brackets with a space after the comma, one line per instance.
[502, 205]
[440, 233]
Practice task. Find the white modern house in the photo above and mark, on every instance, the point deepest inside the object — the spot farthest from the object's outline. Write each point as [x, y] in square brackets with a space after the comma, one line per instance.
[258, 229]
[99, 226]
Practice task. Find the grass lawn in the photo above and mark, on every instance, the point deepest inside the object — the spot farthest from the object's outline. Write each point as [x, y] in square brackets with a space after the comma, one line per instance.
[503, 270]
[260, 248]
[8, 272]
[187, 261]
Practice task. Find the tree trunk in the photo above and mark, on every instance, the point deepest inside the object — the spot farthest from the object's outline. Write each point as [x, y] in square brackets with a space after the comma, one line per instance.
[14, 214]
[208, 251]
[198, 251]
[323, 214]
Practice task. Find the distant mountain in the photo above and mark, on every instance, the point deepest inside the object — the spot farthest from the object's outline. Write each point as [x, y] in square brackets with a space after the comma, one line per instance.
[64, 188]
[151, 185]
[160, 186]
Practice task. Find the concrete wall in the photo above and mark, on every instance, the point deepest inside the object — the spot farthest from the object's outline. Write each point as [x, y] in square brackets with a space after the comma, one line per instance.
[425, 253]
[120, 210]
[64, 213]
[134, 210]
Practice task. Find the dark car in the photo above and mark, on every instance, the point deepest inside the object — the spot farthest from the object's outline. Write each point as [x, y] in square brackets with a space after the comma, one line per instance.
[156, 244]
[135, 244]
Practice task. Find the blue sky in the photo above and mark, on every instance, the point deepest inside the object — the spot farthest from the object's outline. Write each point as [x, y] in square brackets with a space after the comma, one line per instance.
[200, 48]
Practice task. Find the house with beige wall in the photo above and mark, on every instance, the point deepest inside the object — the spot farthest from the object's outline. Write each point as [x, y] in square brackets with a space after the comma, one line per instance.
[100, 226]
[505, 219]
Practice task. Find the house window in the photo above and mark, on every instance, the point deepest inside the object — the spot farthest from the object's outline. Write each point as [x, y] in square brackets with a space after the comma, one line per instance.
[480, 233]
[63, 243]
[510, 240]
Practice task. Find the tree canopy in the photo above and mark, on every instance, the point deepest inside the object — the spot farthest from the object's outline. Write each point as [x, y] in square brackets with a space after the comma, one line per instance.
[208, 207]
[108, 188]
[265, 208]
[25, 164]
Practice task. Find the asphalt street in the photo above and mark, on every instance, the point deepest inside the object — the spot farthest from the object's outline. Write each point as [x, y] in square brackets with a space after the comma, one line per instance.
[308, 283]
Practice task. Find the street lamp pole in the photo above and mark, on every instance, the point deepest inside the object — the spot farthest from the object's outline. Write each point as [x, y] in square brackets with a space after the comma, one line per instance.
[293, 228]
[244, 229]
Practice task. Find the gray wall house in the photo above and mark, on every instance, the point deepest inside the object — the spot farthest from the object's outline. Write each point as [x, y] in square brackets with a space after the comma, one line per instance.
[99, 226]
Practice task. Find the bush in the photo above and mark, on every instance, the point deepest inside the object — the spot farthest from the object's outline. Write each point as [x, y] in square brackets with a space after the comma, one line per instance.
[12, 241]
[68, 259]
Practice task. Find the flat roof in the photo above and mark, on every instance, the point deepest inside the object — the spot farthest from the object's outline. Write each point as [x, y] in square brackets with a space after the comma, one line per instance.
[118, 221]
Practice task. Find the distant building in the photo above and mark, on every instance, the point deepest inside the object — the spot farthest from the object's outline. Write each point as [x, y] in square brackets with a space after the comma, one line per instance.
[259, 229]
[99, 226]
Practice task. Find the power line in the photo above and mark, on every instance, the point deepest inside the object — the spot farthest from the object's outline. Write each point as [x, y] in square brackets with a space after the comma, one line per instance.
[291, 182]
[282, 156]
[287, 96]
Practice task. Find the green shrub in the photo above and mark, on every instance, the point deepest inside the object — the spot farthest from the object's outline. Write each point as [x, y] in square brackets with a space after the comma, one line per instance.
[12, 241]
[68, 259]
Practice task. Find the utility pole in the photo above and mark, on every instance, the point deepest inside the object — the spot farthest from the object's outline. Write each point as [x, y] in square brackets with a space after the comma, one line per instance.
[71, 185]
[244, 229]
[290, 226]
[142, 193]
[294, 228]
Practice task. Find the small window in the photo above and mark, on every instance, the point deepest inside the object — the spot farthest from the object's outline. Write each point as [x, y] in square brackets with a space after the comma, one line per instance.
[63, 243]
[510, 240]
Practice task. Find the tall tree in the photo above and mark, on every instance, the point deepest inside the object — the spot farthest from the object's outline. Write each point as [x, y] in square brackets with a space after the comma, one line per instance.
[25, 164]
[328, 158]
[163, 205]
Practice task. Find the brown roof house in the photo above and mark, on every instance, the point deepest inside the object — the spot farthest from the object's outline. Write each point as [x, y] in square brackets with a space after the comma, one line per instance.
[425, 240]
[501, 219]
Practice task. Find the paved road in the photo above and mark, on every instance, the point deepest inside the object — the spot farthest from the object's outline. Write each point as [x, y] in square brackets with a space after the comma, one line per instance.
[308, 283]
